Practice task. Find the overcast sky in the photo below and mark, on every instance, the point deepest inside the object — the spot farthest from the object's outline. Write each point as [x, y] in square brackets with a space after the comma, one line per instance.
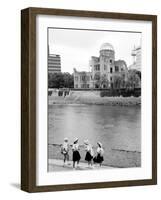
[77, 46]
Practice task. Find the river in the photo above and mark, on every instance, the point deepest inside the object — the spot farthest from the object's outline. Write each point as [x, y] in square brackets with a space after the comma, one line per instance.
[115, 127]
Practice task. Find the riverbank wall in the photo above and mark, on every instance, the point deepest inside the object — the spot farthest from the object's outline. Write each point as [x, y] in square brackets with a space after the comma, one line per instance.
[112, 157]
[92, 97]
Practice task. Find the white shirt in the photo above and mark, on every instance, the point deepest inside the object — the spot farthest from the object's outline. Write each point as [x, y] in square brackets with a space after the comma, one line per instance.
[100, 150]
[89, 149]
[65, 146]
[75, 147]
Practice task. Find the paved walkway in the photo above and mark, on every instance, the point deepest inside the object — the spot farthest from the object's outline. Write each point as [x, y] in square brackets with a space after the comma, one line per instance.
[58, 165]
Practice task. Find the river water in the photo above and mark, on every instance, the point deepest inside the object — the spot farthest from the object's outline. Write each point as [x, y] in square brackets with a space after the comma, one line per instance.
[115, 127]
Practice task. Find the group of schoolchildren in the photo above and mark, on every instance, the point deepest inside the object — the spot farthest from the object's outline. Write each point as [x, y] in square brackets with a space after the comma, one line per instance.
[90, 157]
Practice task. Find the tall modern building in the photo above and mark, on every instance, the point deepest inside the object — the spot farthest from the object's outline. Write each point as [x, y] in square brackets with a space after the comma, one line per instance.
[104, 68]
[136, 54]
[54, 63]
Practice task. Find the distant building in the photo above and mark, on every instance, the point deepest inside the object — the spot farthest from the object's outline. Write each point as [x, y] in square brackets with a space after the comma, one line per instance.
[103, 68]
[136, 54]
[54, 63]
[82, 79]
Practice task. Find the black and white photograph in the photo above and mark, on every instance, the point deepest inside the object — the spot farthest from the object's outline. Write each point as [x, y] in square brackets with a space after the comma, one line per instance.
[89, 108]
[94, 99]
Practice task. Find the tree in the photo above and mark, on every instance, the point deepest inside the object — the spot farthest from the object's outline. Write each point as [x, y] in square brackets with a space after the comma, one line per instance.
[97, 79]
[68, 80]
[97, 76]
[60, 80]
[118, 82]
[55, 80]
[104, 81]
[133, 79]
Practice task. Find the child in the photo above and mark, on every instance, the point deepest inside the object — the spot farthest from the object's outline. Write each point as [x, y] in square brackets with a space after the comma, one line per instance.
[65, 151]
[89, 152]
[99, 157]
[76, 154]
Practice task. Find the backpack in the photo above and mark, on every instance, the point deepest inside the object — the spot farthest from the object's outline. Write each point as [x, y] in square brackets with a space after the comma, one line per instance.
[62, 149]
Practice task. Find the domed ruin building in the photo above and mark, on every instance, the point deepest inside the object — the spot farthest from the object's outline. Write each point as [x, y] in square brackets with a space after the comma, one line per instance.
[103, 70]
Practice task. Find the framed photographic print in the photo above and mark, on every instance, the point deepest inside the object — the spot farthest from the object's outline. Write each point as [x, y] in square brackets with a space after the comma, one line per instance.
[89, 99]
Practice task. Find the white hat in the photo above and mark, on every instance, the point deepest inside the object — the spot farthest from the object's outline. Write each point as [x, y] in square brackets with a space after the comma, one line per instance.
[66, 139]
[86, 142]
[99, 143]
[76, 139]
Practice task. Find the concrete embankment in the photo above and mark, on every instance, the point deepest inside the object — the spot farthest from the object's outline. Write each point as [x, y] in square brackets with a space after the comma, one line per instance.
[112, 157]
[93, 97]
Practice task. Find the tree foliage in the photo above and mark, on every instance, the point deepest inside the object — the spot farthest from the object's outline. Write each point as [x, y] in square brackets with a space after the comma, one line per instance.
[133, 79]
[118, 82]
[104, 83]
[60, 80]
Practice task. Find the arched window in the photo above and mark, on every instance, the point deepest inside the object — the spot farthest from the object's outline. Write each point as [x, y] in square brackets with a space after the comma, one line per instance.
[116, 68]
